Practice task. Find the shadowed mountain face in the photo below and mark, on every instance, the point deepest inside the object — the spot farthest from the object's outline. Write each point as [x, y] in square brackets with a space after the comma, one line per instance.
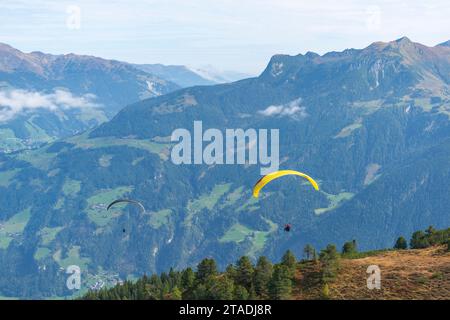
[43, 96]
[371, 125]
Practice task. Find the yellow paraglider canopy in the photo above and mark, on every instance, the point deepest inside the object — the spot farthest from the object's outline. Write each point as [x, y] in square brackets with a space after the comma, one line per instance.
[275, 175]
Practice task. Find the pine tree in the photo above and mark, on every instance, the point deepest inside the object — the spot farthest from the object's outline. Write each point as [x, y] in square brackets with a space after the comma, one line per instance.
[280, 286]
[401, 244]
[435, 237]
[187, 279]
[252, 293]
[309, 252]
[290, 262]
[174, 278]
[176, 294]
[205, 269]
[349, 248]
[329, 259]
[240, 293]
[200, 292]
[244, 272]
[222, 288]
[329, 253]
[230, 271]
[419, 240]
[262, 276]
[165, 290]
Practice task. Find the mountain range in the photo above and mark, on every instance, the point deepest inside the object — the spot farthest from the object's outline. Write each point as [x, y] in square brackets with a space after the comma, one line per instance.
[371, 125]
[44, 97]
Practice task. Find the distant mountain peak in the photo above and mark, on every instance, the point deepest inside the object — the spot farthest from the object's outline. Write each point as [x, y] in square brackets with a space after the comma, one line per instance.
[403, 40]
[4, 46]
[444, 44]
[311, 54]
[396, 42]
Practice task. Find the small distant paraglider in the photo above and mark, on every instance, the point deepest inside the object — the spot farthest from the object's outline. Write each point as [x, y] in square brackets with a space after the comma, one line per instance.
[137, 203]
[275, 175]
[127, 201]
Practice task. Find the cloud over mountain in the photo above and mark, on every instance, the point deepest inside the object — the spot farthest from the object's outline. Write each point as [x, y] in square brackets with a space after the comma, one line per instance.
[291, 109]
[17, 101]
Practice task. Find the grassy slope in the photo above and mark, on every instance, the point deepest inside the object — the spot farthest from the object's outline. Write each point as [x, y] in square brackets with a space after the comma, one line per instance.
[13, 227]
[405, 274]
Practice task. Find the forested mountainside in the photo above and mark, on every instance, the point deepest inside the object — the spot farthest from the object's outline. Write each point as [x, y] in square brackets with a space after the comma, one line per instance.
[370, 125]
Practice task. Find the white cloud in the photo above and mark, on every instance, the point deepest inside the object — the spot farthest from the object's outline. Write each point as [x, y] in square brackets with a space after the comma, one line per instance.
[14, 102]
[291, 109]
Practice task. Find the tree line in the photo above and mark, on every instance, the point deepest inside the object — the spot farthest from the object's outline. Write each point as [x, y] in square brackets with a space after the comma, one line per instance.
[424, 239]
[245, 280]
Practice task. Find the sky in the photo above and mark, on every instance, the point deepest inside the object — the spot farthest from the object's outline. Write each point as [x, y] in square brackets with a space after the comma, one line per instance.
[239, 35]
